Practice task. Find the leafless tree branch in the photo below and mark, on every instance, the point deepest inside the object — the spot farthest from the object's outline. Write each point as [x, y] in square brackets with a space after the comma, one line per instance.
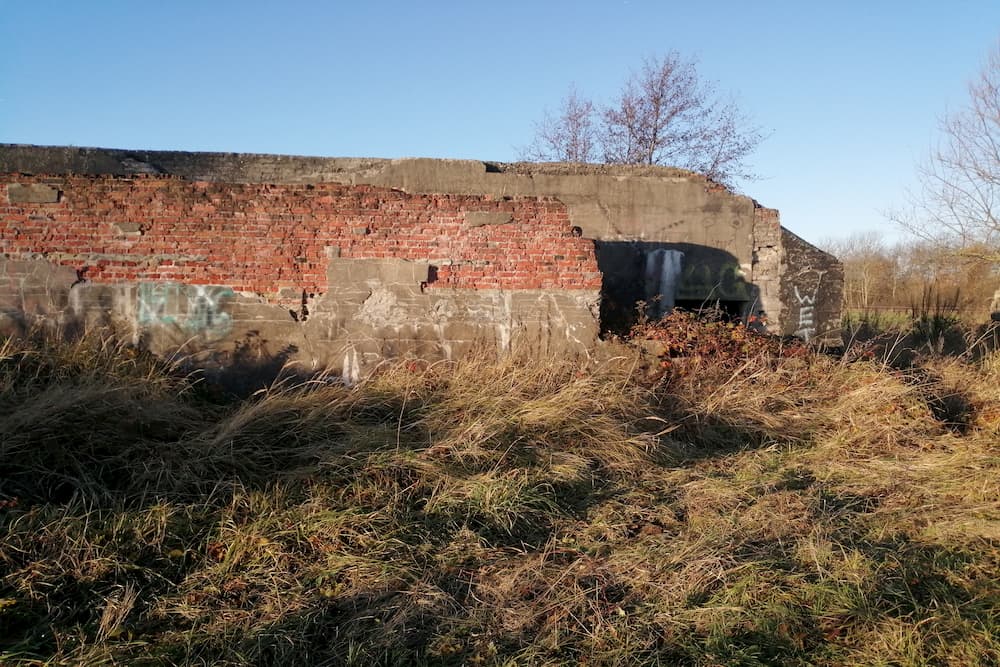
[665, 114]
[958, 202]
[568, 136]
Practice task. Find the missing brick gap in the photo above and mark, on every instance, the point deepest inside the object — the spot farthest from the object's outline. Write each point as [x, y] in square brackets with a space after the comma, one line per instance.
[432, 277]
[81, 276]
[302, 314]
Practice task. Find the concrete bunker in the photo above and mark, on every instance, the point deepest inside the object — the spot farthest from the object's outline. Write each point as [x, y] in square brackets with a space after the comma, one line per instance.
[343, 262]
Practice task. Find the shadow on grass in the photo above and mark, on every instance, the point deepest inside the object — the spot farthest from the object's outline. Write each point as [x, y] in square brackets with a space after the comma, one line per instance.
[438, 622]
[461, 541]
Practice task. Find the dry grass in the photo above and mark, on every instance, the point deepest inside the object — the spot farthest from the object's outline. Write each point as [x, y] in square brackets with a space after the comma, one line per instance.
[772, 511]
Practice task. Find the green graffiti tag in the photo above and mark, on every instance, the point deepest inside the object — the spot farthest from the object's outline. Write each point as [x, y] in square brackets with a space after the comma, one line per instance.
[703, 281]
[197, 310]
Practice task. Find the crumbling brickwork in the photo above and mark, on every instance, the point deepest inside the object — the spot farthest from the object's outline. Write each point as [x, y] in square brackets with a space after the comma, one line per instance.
[276, 240]
[766, 273]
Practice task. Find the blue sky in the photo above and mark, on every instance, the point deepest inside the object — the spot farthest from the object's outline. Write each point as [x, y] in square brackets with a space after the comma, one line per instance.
[850, 91]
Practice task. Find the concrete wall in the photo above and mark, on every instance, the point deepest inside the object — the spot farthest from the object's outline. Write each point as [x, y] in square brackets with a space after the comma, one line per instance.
[349, 260]
[811, 288]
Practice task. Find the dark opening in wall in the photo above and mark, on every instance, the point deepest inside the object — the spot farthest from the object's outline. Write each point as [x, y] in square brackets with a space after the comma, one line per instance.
[727, 310]
[651, 278]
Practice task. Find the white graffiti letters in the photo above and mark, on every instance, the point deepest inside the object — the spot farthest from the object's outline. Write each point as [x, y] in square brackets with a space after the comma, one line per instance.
[807, 308]
[205, 312]
[194, 309]
[153, 303]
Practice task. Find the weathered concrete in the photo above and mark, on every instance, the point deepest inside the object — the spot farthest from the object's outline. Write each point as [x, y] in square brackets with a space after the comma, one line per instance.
[407, 256]
[375, 309]
[812, 287]
[33, 290]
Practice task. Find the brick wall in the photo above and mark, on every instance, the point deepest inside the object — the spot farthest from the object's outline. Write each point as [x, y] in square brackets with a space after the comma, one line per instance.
[267, 239]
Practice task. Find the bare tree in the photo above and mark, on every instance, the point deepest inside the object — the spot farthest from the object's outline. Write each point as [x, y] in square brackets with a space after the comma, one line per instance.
[665, 114]
[958, 204]
[569, 136]
[907, 276]
[870, 270]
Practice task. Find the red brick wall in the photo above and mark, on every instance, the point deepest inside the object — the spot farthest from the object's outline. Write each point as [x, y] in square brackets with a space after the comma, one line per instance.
[262, 238]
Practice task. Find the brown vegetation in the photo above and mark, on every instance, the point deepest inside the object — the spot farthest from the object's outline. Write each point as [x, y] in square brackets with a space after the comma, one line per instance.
[893, 282]
[740, 506]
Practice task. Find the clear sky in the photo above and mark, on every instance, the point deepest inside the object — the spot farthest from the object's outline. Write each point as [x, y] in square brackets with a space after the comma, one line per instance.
[851, 91]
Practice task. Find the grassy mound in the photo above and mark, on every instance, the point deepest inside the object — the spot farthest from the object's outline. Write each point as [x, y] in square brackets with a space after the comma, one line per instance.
[742, 507]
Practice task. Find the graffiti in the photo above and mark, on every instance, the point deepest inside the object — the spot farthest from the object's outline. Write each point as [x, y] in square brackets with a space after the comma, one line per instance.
[196, 310]
[205, 313]
[662, 270]
[153, 303]
[807, 309]
[701, 280]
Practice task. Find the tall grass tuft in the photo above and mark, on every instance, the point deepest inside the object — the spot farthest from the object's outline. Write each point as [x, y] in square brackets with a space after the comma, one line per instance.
[741, 504]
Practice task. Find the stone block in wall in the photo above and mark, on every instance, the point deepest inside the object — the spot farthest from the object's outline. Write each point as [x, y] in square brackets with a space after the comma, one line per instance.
[389, 271]
[32, 193]
[128, 228]
[481, 218]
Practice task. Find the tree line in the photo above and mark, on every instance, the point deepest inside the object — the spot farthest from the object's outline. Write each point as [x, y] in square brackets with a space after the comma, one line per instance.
[913, 278]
